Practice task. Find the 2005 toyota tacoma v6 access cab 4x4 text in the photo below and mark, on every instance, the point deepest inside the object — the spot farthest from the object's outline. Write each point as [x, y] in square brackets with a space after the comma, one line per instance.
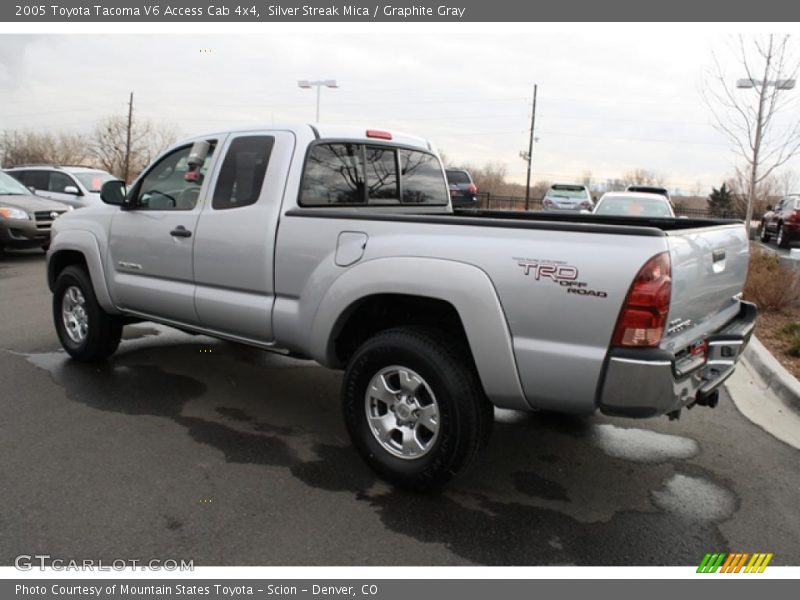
[341, 245]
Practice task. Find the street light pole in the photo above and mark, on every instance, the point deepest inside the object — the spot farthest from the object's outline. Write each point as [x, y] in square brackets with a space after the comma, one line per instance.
[762, 85]
[530, 152]
[307, 85]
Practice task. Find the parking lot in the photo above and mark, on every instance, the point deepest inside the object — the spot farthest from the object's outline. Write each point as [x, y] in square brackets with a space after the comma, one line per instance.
[187, 447]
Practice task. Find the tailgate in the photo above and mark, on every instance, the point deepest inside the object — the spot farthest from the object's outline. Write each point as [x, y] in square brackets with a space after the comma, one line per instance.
[709, 267]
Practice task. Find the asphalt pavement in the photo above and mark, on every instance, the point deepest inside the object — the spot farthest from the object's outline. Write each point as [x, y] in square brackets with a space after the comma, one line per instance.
[186, 447]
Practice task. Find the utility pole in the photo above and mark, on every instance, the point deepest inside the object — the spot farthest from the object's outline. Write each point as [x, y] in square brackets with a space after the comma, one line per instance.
[530, 152]
[128, 139]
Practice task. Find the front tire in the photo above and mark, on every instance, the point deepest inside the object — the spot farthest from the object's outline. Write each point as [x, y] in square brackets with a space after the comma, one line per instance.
[764, 236]
[414, 407]
[85, 330]
[782, 240]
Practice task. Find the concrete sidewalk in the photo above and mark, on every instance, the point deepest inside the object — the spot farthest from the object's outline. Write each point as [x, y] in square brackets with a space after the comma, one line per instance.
[767, 394]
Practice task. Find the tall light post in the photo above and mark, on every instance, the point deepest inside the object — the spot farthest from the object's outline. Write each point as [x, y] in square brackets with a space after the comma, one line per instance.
[762, 86]
[307, 85]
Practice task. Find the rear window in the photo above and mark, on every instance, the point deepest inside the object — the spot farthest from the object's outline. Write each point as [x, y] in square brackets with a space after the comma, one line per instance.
[344, 174]
[568, 191]
[422, 180]
[94, 180]
[458, 177]
[633, 207]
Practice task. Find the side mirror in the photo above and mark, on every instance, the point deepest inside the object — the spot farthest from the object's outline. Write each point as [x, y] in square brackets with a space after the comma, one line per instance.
[71, 189]
[33, 190]
[113, 192]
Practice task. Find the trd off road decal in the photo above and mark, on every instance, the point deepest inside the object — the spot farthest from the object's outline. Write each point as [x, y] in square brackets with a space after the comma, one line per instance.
[558, 273]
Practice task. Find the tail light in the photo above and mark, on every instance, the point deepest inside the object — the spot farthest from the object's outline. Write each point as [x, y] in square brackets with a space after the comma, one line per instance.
[643, 316]
[794, 217]
[472, 189]
[547, 202]
[586, 204]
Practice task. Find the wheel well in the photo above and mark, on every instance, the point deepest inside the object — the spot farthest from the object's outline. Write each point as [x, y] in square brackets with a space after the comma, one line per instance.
[60, 261]
[377, 313]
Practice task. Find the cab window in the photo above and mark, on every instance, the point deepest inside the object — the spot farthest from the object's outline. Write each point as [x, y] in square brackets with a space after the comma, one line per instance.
[242, 174]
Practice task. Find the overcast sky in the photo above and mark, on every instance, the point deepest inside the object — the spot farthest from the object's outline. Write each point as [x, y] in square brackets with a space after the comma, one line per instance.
[608, 103]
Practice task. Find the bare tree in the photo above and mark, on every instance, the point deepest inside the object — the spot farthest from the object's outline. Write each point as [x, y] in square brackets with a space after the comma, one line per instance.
[788, 182]
[147, 140]
[643, 177]
[26, 147]
[750, 119]
[765, 192]
[490, 178]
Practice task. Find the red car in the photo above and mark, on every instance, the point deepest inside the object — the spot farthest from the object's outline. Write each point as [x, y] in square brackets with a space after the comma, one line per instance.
[782, 221]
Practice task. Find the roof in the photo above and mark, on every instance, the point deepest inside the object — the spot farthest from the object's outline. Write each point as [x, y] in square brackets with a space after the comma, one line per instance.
[326, 131]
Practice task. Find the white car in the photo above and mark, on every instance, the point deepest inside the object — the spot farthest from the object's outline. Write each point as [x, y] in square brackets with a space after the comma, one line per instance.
[634, 204]
[73, 185]
[567, 196]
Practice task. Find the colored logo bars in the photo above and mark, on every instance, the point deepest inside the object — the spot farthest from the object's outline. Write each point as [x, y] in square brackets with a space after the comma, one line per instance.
[734, 562]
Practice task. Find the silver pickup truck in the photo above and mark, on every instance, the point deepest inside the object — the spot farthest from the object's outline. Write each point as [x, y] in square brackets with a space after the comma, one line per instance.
[341, 245]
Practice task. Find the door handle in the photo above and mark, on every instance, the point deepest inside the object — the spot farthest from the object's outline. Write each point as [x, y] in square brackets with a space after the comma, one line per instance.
[180, 231]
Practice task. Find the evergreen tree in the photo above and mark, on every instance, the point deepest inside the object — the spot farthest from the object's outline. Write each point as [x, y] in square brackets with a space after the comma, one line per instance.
[720, 201]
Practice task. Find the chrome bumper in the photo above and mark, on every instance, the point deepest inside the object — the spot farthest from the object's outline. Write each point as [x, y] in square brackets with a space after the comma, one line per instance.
[652, 382]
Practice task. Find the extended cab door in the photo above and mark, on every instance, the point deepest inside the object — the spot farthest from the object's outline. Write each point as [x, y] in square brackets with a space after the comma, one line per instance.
[235, 245]
[151, 241]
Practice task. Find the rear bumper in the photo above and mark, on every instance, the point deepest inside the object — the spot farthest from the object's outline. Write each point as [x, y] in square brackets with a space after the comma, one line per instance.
[648, 383]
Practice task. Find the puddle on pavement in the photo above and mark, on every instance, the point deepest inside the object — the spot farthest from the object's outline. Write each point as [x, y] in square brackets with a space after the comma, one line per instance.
[642, 445]
[486, 529]
[696, 498]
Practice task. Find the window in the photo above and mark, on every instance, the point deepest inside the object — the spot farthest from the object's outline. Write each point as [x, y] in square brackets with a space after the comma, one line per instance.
[242, 174]
[422, 179]
[165, 186]
[382, 175]
[94, 180]
[38, 180]
[458, 177]
[353, 174]
[334, 175]
[59, 181]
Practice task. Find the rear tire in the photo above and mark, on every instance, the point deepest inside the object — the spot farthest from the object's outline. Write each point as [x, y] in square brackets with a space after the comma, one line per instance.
[781, 239]
[86, 331]
[414, 407]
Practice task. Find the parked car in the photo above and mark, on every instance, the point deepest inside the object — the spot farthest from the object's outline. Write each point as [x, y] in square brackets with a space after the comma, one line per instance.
[25, 219]
[346, 251]
[463, 191]
[76, 186]
[650, 189]
[567, 196]
[782, 221]
[634, 204]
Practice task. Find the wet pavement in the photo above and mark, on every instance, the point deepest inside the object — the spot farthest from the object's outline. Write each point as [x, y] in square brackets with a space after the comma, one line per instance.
[187, 447]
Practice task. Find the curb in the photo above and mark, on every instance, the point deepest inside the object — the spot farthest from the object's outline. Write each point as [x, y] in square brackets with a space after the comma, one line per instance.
[778, 379]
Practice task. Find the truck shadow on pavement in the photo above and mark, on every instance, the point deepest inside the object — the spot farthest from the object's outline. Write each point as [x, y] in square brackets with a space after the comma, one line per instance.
[549, 489]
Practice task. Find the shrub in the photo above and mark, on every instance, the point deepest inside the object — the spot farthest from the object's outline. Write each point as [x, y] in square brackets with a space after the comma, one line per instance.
[772, 286]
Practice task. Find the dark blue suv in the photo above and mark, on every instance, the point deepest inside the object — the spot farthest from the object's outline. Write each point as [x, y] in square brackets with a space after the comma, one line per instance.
[463, 191]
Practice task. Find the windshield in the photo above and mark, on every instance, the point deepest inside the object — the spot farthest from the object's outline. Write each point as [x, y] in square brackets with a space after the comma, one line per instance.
[633, 207]
[11, 187]
[94, 180]
[567, 191]
[458, 177]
